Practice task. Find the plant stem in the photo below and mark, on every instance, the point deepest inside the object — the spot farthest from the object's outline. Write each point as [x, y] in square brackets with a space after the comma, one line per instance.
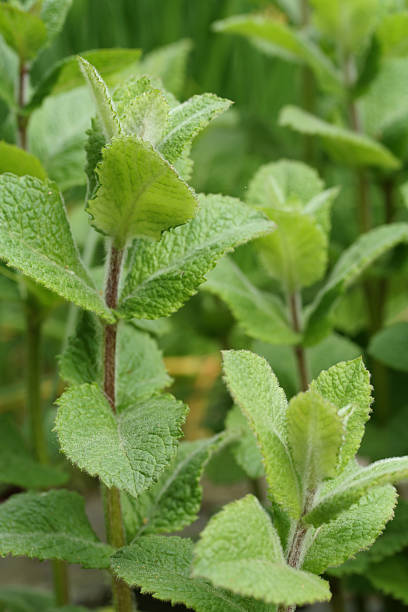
[61, 583]
[122, 594]
[295, 308]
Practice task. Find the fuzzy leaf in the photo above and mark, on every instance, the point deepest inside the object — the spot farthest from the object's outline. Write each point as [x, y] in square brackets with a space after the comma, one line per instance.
[245, 448]
[344, 145]
[352, 263]
[51, 525]
[393, 540]
[66, 74]
[168, 63]
[174, 502]
[23, 31]
[389, 346]
[315, 433]
[340, 493]
[260, 314]
[296, 253]
[353, 530]
[186, 120]
[145, 116]
[252, 565]
[103, 101]
[256, 391]
[162, 566]
[35, 238]
[347, 386]
[128, 450]
[19, 162]
[278, 185]
[140, 195]
[17, 599]
[164, 275]
[17, 467]
[277, 38]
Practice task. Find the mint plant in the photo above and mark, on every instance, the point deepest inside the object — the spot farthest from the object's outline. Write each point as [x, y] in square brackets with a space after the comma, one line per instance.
[161, 241]
[324, 507]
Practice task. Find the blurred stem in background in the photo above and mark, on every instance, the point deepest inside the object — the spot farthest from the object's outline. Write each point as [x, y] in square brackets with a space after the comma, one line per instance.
[295, 309]
[34, 319]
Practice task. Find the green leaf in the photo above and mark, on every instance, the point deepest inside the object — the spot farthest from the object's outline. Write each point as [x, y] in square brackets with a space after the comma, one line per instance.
[66, 74]
[353, 530]
[275, 37]
[174, 502]
[19, 162]
[349, 22]
[253, 565]
[343, 145]
[17, 467]
[128, 450]
[280, 185]
[51, 525]
[351, 264]
[186, 120]
[145, 116]
[169, 64]
[339, 494]
[260, 314]
[23, 31]
[162, 566]
[296, 253]
[140, 367]
[16, 599]
[347, 386]
[390, 577]
[103, 101]
[245, 448]
[315, 433]
[57, 136]
[255, 389]
[53, 14]
[140, 194]
[393, 540]
[389, 346]
[35, 238]
[164, 275]
[392, 34]
[8, 74]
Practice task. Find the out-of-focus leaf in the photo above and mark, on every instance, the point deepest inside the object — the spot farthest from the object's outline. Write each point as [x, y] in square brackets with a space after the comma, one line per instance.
[20, 162]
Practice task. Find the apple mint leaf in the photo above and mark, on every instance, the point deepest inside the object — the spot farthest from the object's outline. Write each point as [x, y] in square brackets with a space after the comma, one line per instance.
[128, 450]
[344, 145]
[175, 500]
[140, 367]
[35, 238]
[66, 73]
[353, 530]
[390, 577]
[164, 275]
[315, 433]
[162, 566]
[260, 314]
[256, 391]
[19, 162]
[51, 525]
[145, 116]
[53, 14]
[23, 31]
[351, 264]
[296, 253]
[186, 120]
[17, 467]
[347, 386]
[340, 493]
[274, 37]
[103, 101]
[168, 63]
[140, 194]
[252, 565]
[17, 599]
[388, 346]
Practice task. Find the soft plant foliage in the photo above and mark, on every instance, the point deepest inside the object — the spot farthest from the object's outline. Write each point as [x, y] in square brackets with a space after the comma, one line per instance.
[308, 447]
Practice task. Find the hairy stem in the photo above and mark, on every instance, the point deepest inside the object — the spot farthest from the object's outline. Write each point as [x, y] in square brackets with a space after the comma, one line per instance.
[122, 594]
[295, 308]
